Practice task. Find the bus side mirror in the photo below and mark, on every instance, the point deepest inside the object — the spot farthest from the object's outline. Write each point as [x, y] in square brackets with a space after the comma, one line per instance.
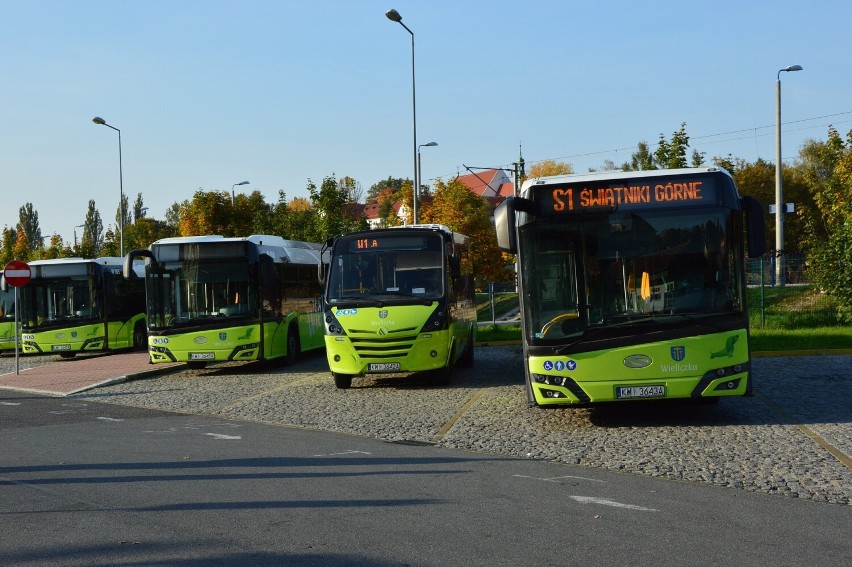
[504, 224]
[127, 270]
[325, 260]
[3, 285]
[755, 227]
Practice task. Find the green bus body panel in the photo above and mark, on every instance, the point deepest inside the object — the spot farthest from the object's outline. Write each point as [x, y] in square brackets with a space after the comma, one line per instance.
[7, 335]
[394, 338]
[81, 338]
[240, 343]
[679, 365]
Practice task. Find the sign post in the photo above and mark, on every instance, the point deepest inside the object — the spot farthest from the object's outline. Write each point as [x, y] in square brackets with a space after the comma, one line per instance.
[17, 274]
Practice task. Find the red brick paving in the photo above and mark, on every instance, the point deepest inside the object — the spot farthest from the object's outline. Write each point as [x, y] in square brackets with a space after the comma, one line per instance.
[69, 376]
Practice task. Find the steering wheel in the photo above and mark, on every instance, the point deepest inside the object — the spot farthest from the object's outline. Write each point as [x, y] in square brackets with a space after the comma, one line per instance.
[558, 319]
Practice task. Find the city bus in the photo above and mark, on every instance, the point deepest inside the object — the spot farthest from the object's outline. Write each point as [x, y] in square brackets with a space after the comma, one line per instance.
[216, 299]
[398, 300]
[632, 284]
[7, 317]
[73, 305]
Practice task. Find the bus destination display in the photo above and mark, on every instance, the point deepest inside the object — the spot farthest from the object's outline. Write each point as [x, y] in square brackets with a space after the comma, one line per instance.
[635, 194]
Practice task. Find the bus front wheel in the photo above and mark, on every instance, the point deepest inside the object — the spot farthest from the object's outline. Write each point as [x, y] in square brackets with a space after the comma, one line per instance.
[292, 345]
[140, 337]
[342, 381]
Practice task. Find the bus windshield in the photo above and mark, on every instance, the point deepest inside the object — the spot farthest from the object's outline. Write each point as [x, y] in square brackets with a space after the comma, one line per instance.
[188, 291]
[621, 268]
[387, 267]
[58, 301]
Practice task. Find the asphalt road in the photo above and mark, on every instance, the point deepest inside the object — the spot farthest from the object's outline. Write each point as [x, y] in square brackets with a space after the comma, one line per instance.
[89, 483]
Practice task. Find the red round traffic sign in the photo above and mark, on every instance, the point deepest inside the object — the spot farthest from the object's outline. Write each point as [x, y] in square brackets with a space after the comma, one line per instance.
[17, 273]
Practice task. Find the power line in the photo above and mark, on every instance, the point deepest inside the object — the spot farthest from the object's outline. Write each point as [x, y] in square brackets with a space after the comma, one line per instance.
[691, 138]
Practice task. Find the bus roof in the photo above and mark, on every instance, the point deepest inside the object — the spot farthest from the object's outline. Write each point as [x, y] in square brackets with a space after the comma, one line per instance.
[279, 249]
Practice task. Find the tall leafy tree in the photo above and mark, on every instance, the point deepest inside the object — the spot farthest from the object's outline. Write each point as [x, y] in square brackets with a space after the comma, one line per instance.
[828, 171]
[672, 154]
[123, 206]
[7, 253]
[395, 184]
[93, 228]
[28, 223]
[641, 160]
[334, 208]
[139, 209]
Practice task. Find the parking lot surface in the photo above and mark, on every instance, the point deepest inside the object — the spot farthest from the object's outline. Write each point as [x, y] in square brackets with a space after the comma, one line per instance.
[792, 438]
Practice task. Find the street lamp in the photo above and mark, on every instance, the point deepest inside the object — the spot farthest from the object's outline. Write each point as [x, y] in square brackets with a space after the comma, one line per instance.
[779, 192]
[419, 176]
[102, 122]
[75, 234]
[232, 190]
[394, 16]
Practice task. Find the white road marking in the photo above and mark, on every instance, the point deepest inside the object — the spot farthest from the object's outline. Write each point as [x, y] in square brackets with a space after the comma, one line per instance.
[557, 478]
[110, 419]
[9, 404]
[344, 453]
[221, 436]
[614, 504]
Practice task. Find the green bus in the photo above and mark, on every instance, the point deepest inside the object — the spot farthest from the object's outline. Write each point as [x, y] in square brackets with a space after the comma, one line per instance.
[7, 317]
[632, 284]
[215, 299]
[398, 300]
[73, 305]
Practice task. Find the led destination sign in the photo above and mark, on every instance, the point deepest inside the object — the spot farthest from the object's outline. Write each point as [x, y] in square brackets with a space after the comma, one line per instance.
[643, 193]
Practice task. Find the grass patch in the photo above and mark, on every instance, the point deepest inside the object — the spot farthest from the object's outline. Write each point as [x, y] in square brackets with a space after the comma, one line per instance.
[816, 338]
[498, 333]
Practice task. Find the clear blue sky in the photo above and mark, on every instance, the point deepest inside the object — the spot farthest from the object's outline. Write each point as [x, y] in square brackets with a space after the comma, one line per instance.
[209, 93]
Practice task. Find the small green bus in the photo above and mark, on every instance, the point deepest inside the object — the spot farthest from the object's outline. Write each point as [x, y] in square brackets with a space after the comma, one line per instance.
[398, 300]
[73, 305]
[215, 299]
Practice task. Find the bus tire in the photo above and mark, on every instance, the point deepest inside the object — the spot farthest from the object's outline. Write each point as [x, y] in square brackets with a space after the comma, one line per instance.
[466, 360]
[140, 337]
[342, 381]
[292, 345]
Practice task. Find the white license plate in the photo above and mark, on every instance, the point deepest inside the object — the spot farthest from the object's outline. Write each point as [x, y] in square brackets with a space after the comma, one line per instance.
[383, 367]
[202, 356]
[60, 347]
[624, 392]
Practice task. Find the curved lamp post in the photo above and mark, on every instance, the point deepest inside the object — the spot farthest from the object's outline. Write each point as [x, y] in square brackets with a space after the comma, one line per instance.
[232, 190]
[394, 16]
[102, 122]
[780, 274]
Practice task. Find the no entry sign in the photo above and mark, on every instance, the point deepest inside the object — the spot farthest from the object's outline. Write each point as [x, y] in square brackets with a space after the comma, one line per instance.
[17, 273]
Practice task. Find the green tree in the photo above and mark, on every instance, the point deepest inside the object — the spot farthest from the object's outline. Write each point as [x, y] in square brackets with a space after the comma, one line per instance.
[123, 206]
[7, 253]
[641, 160]
[93, 228]
[672, 154]
[827, 168]
[549, 167]
[139, 209]
[28, 223]
[395, 184]
[334, 208]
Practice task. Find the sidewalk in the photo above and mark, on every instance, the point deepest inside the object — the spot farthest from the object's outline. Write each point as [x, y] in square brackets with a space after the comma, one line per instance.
[70, 376]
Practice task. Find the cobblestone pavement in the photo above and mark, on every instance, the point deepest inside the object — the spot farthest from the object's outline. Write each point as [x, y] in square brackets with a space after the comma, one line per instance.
[792, 438]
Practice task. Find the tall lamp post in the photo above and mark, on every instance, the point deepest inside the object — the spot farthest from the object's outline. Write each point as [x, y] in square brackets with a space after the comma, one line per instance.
[394, 16]
[419, 175]
[232, 190]
[780, 274]
[102, 122]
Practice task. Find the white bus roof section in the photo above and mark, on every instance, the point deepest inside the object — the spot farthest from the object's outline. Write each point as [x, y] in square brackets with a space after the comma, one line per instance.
[457, 237]
[277, 248]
